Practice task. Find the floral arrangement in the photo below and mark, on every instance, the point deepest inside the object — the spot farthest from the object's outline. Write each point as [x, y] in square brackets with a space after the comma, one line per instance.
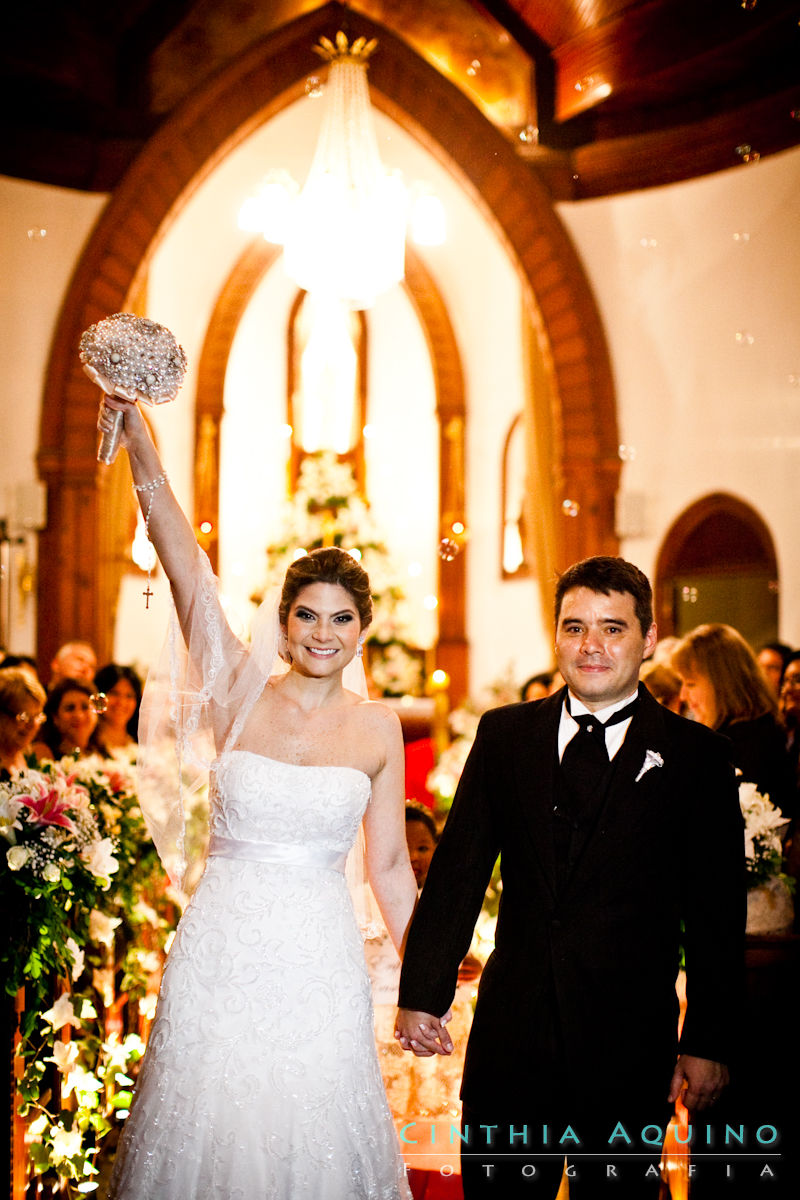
[463, 723]
[443, 781]
[764, 825]
[88, 918]
[327, 510]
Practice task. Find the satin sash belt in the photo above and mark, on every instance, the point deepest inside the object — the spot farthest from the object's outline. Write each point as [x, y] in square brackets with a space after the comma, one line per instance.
[276, 852]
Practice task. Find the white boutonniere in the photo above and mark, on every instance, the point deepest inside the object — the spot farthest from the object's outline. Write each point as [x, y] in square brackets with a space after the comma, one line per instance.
[651, 759]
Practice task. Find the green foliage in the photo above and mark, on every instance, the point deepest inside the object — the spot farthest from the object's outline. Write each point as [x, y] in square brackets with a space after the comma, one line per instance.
[88, 918]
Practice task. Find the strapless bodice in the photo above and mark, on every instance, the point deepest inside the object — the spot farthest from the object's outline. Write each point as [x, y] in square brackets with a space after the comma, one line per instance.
[262, 800]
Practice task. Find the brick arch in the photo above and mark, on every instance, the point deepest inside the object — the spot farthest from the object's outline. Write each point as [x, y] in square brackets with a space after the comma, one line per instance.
[78, 576]
[717, 535]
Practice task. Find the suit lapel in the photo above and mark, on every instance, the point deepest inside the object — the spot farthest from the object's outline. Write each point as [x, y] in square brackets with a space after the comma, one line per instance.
[535, 769]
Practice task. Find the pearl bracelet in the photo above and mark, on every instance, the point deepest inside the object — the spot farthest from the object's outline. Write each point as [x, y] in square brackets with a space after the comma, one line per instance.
[152, 485]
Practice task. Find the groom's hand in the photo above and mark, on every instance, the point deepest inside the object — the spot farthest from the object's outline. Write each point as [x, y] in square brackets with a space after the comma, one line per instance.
[423, 1033]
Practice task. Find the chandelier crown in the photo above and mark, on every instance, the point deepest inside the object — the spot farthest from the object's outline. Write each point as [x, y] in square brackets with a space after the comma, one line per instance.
[359, 51]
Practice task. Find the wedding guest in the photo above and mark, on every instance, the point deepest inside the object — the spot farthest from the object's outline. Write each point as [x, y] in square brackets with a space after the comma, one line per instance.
[772, 658]
[725, 689]
[537, 687]
[663, 683]
[118, 722]
[20, 660]
[790, 714]
[71, 725]
[73, 660]
[22, 699]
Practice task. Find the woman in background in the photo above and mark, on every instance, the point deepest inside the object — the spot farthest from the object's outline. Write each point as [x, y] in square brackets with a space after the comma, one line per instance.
[118, 724]
[22, 699]
[71, 725]
[725, 689]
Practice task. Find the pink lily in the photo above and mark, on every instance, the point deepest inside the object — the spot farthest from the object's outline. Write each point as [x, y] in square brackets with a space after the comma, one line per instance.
[48, 808]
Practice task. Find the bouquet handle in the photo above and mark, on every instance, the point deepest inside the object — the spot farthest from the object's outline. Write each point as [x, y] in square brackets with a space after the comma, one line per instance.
[110, 439]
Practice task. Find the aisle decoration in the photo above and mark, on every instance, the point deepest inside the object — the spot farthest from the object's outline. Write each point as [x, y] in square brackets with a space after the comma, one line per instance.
[327, 509]
[87, 918]
[443, 782]
[770, 908]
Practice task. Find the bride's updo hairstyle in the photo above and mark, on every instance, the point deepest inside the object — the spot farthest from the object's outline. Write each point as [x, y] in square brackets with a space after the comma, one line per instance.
[327, 565]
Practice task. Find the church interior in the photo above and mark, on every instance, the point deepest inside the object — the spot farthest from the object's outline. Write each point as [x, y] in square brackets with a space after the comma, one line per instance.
[588, 341]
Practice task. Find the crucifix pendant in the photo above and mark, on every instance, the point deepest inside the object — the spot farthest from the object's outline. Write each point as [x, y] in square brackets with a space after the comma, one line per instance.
[147, 594]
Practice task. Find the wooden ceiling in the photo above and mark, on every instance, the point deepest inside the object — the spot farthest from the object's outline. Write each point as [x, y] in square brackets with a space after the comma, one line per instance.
[624, 93]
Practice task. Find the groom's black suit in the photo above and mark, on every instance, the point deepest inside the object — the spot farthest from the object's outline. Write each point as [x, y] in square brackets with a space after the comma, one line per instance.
[577, 1006]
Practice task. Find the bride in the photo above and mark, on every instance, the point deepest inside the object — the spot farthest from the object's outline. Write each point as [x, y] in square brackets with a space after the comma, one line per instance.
[261, 1077]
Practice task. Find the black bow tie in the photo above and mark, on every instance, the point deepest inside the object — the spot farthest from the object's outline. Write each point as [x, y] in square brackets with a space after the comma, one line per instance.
[596, 728]
[585, 756]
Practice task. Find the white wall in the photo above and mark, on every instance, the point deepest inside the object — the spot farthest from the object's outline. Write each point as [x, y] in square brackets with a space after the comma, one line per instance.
[704, 411]
[34, 274]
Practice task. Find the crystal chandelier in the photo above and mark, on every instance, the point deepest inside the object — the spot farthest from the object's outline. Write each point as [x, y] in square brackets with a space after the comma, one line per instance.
[344, 233]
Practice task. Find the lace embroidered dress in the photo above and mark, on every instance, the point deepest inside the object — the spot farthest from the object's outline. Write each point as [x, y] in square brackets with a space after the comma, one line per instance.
[261, 1079]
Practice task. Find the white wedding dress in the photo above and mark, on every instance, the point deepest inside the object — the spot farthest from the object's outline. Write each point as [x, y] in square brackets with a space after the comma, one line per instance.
[261, 1079]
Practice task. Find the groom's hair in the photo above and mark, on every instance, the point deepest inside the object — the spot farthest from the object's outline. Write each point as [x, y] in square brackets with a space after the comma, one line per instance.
[604, 574]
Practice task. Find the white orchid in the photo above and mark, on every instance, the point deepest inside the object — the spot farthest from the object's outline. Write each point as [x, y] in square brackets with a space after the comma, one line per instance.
[77, 956]
[84, 1084]
[102, 926]
[62, 1013]
[65, 1143]
[64, 1055]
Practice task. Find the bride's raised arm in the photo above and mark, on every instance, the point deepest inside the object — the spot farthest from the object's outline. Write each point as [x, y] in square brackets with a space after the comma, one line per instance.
[168, 527]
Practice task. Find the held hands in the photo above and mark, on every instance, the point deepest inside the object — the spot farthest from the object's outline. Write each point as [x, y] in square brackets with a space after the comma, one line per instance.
[423, 1033]
[699, 1080]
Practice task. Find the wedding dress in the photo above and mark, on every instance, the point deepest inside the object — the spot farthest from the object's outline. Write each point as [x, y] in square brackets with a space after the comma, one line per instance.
[261, 1079]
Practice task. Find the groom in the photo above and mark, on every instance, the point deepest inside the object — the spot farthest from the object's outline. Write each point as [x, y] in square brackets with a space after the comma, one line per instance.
[612, 836]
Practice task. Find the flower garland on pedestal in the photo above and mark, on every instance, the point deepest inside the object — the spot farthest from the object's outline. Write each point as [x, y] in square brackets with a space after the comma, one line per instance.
[327, 510]
[87, 917]
[769, 891]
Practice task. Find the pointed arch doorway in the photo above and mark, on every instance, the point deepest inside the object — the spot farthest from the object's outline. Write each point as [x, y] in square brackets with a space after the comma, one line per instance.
[718, 563]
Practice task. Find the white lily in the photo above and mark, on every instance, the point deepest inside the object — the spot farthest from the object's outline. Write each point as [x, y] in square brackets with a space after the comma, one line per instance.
[651, 759]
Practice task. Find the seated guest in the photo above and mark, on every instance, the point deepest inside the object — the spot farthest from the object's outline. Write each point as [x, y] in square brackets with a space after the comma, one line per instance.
[725, 689]
[118, 722]
[71, 726]
[772, 658]
[73, 660]
[22, 699]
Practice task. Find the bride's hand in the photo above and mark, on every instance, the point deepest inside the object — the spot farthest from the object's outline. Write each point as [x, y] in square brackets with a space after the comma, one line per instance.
[133, 428]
